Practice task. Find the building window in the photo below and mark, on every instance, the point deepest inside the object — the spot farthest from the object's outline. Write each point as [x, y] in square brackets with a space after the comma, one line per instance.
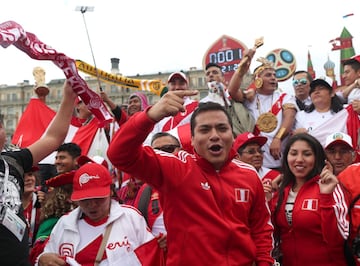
[10, 124]
[203, 94]
[200, 82]
[10, 110]
[114, 89]
[14, 97]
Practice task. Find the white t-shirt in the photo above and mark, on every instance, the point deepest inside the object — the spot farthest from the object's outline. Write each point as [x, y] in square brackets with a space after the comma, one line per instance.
[262, 104]
[312, 120]
[354, 95]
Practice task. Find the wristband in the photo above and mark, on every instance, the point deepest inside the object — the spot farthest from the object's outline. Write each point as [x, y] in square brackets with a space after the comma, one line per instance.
[280, 133]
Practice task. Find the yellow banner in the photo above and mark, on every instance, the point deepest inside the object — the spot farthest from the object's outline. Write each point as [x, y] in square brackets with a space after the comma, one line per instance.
[154, 86]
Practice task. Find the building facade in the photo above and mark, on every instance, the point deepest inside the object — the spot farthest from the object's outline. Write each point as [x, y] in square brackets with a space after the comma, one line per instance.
[14, 99]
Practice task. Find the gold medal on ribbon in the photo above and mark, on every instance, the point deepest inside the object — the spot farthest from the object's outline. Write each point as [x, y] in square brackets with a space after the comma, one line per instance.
[267, 122]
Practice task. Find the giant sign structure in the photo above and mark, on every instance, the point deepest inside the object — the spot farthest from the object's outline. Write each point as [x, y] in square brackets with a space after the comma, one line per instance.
[227, 52]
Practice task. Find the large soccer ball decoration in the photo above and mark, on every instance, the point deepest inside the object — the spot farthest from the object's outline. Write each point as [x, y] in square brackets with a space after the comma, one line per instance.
[284, 63]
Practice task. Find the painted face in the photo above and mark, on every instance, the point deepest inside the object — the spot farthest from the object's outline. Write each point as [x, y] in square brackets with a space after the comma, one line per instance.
[340, 156]
[252, 154]
[96, 209]
[134, 105]
[213, 137]
[301, 88]
[301, 159]
[64, 162]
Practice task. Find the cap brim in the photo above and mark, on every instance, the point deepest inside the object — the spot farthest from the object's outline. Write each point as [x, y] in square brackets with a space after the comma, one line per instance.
[178, 76]
[61, 180]
[94, 193]
[318, 82]
[338, 141]
[261, 140]
[83, 159]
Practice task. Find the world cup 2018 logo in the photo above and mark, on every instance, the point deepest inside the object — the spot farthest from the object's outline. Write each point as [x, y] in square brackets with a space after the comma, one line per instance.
[284, 63]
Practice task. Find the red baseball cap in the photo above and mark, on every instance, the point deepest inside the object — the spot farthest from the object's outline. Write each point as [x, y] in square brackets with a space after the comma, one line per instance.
[91, 181]
[83, 159]
[34, 168]
[248, 137]
[61, 180]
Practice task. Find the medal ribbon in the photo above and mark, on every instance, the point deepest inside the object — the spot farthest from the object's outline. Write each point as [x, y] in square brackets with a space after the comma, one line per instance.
[275, 109]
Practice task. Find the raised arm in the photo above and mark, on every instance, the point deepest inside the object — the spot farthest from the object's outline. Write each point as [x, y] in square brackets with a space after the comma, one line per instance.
[346, 91]
[57, 129]
[235, 82]
[169, 105]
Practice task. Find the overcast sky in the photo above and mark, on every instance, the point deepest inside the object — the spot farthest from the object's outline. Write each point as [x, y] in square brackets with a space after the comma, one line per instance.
[164, 35]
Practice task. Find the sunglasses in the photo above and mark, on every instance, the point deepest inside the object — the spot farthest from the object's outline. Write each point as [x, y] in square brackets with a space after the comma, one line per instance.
[168, 148]
[302, 81]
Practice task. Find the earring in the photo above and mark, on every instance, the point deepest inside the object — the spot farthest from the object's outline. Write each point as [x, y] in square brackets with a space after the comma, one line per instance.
[258, 83]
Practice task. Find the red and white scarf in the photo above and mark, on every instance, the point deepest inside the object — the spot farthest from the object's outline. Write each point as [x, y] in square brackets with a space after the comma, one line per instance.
[12, 33]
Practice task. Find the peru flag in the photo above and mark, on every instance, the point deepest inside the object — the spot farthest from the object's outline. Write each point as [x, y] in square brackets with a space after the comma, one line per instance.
[346, 121]
[33, 123]
[310, 204]
[36, 119]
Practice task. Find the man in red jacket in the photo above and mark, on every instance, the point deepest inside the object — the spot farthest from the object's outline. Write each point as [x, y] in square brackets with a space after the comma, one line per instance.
[214, 205]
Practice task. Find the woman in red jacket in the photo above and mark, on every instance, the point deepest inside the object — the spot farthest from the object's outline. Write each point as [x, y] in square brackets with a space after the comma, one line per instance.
[309, 210]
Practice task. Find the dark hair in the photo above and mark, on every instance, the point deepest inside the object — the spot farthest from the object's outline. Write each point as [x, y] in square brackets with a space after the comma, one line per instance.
[335, 106]
[308, 76]
[353, 63]
[72, 148]
[288, 176]
[164, 134]
[212, 65]
[205, 107]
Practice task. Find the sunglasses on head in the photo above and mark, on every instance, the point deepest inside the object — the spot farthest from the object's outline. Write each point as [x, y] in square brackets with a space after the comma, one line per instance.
[170, 148]
[302, 81]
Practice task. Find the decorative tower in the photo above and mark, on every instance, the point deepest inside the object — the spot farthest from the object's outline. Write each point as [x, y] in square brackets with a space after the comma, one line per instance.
[344, 44]
[310, 68]
[329, 67]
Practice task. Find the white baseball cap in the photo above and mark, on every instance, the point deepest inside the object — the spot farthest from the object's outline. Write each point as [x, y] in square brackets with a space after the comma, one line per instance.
[338, 137]
[179, 75]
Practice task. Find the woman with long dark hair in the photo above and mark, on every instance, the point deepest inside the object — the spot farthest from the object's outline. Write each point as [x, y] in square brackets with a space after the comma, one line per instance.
[309, 209]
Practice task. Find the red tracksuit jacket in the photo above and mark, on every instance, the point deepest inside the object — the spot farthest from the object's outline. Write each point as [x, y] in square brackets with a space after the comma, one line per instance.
[212, 217]
[319, 227]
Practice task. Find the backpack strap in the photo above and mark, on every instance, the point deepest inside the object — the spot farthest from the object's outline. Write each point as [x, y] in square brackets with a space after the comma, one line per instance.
[12, 161]
[144, 202]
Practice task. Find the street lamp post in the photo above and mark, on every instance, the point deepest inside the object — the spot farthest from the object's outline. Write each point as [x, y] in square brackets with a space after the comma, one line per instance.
[83, 10]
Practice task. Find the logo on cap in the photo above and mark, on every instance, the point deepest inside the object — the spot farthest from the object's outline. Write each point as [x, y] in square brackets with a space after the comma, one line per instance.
[338, 136]
[85, 178]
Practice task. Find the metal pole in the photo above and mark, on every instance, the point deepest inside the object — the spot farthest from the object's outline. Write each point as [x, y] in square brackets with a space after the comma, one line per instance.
[83, 9]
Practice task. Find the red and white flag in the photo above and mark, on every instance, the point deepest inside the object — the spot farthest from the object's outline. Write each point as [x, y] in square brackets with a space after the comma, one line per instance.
[33, 123]
[36, 119]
